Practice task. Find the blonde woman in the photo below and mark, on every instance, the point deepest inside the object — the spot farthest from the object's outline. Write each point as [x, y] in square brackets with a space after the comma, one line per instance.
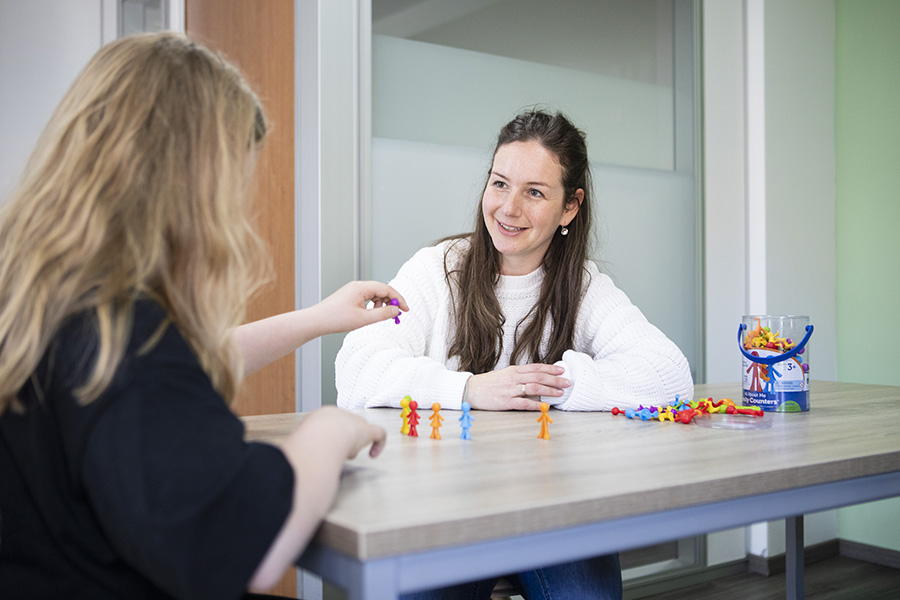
[126, 263]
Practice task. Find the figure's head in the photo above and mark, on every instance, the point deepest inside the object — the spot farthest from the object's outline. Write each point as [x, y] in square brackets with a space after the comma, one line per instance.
[539, 186]
[436, 407]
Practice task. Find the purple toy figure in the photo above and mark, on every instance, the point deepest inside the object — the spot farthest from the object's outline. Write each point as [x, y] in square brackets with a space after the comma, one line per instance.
[396, 302]
[465, 421]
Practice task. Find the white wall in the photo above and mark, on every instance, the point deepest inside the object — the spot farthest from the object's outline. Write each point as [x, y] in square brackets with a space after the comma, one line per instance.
[773, 127]
[43, 46]
[800, 170]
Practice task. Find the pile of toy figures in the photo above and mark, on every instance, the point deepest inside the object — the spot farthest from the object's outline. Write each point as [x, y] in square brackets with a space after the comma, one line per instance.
[684, 412]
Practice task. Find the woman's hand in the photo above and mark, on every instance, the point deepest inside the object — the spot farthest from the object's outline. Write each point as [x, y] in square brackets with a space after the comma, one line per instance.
[345, 429]
[347, 309]
[518, 387]
[317, 450]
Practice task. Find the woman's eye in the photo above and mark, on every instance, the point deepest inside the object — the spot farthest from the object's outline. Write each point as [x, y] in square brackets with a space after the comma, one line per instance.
[535, 193]
[499, 184]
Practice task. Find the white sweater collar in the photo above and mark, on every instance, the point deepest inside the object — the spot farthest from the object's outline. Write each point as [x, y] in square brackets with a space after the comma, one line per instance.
[512, 283]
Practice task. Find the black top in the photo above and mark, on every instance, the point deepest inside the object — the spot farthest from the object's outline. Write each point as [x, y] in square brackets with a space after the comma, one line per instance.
[147, 492]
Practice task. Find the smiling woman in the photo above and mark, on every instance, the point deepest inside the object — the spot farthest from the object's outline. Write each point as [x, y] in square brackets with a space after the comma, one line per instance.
[513, 315]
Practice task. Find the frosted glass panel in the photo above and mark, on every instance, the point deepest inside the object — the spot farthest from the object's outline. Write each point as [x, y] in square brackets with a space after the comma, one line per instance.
[446, 76]
[420, 194]
[428, 93]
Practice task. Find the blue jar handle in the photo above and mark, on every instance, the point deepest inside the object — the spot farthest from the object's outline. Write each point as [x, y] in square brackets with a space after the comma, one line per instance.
[771, 360]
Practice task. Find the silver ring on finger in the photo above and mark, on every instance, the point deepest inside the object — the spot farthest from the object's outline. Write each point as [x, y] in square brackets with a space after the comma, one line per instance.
[523, 390]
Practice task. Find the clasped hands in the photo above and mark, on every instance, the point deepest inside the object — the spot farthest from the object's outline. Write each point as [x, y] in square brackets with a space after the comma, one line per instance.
[519, 387]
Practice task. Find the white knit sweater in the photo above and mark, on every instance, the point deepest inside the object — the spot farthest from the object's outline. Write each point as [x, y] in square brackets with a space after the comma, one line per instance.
[618, 358]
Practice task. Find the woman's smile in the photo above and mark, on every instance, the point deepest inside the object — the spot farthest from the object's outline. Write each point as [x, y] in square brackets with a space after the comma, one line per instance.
[510, 229]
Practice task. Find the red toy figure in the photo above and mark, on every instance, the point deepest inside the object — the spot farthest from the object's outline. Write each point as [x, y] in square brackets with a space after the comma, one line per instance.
[754, 370]
[436, 420]
[544, 420]
[413, 418]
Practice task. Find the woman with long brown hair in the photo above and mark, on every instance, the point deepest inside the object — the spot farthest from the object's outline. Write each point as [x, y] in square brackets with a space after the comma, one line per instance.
[126, 265]
[515, 314]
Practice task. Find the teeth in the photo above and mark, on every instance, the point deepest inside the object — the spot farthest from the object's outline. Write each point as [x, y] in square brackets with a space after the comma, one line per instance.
[513, 229]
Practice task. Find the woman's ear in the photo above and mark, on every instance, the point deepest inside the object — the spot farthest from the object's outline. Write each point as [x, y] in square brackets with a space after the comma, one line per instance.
[579, 196]
[572, 206]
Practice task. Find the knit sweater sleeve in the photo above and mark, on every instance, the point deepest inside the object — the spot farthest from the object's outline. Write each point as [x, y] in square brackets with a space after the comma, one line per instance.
[380, 364]
[619, 358]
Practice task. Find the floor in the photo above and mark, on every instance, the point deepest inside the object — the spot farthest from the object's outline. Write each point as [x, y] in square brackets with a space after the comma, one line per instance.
[838, 578]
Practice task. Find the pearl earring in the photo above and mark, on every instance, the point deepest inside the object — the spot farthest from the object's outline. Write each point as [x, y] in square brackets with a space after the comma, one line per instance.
[564, 231]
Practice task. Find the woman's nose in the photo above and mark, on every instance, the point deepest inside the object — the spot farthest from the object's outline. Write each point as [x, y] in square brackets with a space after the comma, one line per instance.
[512, 206]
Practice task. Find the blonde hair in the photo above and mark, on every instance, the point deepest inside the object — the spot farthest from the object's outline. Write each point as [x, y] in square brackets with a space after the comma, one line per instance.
[137, 187]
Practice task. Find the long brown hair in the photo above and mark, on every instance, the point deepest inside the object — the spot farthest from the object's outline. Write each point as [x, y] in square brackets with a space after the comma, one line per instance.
[137, 187]
[478, 341]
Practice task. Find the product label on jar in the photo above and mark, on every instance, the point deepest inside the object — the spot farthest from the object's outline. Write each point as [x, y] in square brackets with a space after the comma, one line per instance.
[781, 387]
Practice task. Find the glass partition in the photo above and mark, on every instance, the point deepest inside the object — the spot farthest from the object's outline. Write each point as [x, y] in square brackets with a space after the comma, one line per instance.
[447, 76]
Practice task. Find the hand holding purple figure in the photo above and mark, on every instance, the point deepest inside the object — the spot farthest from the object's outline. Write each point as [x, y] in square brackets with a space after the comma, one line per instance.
[396, 302]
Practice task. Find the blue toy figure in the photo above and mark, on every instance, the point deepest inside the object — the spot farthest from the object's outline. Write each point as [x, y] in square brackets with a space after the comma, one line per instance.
[770, 382]
[465, 421]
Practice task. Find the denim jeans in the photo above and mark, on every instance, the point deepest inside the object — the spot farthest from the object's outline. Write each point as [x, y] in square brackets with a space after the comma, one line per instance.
[597, 578]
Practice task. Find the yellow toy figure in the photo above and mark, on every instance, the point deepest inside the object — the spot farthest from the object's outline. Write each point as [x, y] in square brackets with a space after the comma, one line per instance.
[404, 414]
[436, 420]
[544, 420]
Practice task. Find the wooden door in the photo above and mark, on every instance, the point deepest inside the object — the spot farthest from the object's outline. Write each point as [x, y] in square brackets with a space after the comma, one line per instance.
[258, 36]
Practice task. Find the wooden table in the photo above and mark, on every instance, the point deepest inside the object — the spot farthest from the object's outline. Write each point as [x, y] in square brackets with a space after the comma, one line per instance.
[429, 513]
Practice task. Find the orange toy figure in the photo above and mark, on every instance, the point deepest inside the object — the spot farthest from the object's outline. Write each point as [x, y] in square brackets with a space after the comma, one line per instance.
[413, 418]
[436, 420]
[404, 414]
[544, 420]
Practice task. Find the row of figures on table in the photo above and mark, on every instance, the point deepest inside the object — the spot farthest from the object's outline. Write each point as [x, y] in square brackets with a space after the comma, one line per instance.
[410, 416]
[685, 411]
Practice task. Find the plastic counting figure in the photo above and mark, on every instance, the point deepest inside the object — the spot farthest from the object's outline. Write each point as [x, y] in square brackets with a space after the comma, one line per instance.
[436, 420]
[545, 421]
[465, 421]
[404, 414]
[413, 418]
[396, 302]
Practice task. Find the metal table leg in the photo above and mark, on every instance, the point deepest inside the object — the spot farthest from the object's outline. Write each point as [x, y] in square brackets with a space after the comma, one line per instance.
[794, 557]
